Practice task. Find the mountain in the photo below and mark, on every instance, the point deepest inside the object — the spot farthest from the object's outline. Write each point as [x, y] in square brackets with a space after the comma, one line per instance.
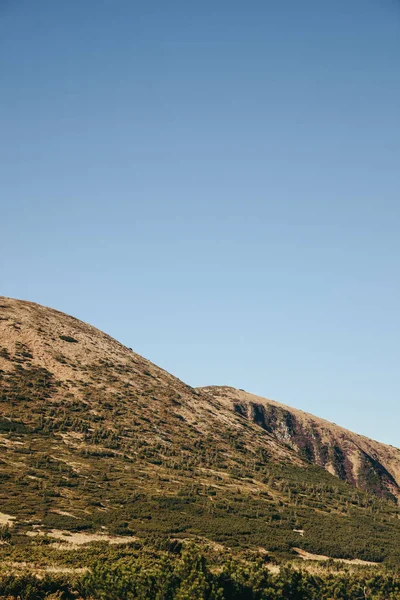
[371, 466]
[98, 441]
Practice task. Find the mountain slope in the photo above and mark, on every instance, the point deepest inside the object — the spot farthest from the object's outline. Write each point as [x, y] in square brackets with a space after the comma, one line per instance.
[97, 440]
[365, 463]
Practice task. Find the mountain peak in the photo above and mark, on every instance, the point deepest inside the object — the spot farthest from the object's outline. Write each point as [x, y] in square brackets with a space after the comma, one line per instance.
[96, 438]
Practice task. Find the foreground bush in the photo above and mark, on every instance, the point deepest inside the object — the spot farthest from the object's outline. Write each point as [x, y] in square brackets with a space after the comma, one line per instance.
[189, 577]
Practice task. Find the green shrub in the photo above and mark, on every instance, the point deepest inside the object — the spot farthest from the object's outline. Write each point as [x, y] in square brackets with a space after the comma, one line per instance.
[68, 338]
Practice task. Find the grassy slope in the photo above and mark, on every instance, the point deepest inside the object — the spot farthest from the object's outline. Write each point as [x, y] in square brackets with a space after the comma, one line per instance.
[91, 430]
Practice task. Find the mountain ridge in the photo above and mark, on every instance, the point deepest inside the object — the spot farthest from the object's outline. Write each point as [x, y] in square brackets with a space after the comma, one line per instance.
[97, 439]
[296, 409]
[311, 435]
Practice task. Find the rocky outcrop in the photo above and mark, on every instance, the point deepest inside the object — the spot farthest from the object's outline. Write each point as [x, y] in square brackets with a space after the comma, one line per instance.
[367, 464]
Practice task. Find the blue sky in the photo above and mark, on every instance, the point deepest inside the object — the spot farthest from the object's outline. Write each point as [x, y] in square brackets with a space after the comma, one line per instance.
[215, 184]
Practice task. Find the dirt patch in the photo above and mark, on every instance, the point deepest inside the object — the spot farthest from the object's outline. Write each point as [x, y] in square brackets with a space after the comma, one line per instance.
[64, 513]
[41, 570]
[321, 557]
[9, 443]
[78, 539]
[7, 520]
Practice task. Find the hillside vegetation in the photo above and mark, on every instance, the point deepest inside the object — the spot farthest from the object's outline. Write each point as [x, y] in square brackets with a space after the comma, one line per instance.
[100, 446]
[188, 573]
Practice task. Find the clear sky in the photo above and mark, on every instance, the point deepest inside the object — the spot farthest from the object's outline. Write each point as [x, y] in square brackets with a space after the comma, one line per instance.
[217, 185]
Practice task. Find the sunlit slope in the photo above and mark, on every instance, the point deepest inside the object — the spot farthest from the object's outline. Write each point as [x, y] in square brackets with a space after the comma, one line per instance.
[95, 438]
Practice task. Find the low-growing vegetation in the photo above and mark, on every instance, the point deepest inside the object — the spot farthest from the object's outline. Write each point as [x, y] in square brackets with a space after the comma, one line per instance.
[187, 572]
[99, 444]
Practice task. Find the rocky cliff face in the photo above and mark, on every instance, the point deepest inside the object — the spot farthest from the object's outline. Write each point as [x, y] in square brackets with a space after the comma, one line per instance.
[362, 462]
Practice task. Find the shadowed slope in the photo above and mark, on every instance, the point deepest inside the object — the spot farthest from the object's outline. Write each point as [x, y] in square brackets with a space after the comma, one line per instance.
[365, 463]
